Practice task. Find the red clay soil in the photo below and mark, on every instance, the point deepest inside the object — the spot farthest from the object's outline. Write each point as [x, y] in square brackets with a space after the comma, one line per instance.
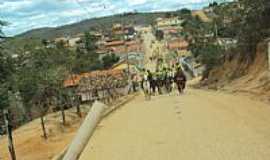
[29, 143]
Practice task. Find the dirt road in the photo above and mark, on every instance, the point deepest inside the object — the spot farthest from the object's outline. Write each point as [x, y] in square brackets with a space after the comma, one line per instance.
[149, 47]
[153, 48]
[199, 125]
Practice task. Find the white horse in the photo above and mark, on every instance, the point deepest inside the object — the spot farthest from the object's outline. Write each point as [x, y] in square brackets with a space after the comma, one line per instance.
[146, 88]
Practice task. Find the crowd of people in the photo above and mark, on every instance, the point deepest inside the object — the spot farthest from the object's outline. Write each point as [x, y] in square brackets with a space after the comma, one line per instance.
[163, 80]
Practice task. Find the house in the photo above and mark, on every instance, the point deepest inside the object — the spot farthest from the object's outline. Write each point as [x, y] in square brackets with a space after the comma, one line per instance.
[177, 44]
[202, 16]
[227, 42]
[125, 65]
[118, 29]
[165, 22]
[120, 47]
[98, 84]
[73, 41]
[63, 40]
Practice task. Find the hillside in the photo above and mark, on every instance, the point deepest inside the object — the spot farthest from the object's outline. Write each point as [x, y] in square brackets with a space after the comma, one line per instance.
[104, 23]
[237, 74]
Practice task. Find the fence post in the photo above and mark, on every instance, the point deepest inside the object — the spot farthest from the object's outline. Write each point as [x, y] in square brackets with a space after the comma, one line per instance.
[268, 46]
[9, 135]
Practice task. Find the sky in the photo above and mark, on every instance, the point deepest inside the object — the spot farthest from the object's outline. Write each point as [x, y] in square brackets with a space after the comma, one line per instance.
[24, 15]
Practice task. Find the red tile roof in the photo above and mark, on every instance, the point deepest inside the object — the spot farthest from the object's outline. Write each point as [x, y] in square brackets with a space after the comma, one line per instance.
[178, 44]
[114, 43]
[74, 80]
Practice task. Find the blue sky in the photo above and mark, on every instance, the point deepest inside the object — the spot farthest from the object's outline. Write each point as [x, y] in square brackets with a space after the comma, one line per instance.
[24, 15]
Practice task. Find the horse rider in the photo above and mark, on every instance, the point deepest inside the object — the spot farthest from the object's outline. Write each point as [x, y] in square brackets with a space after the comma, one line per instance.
[180, 80]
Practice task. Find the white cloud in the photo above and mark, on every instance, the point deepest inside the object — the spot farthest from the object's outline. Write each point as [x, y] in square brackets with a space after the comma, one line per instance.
[28, 14]
[14, 5]
[136, 2]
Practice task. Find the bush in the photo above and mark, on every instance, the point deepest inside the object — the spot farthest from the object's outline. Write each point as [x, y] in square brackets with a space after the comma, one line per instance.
[109, 60]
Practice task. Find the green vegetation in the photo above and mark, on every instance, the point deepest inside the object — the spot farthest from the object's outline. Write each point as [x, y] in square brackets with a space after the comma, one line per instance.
[6, 70]
[86, 59]
[203, 42]
[109, 60]
[159, 34]
[104, 24]
[36, 73]
[245, 22]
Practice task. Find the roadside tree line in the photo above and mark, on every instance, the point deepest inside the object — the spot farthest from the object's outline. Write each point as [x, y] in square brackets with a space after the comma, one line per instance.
[34, 76]
[246, 22]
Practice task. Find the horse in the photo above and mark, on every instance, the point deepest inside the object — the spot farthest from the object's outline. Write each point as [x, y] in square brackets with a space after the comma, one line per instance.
[180, 80]
[146, 87]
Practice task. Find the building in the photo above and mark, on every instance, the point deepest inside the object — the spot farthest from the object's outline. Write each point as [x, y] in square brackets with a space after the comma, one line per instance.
[227, 42]
[166, 22]
[120, 47]
[74, 41]
[177, 44]
[62, 40]
[202, 16]
[98, 85]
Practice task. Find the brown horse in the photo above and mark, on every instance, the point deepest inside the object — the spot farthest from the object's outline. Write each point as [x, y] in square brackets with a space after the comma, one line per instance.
[180, 80]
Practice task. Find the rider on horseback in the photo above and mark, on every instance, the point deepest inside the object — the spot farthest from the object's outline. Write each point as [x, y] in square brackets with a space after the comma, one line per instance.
[180, 80]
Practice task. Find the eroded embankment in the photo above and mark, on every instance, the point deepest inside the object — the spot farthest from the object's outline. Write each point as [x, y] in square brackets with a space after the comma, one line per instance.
[240, 74]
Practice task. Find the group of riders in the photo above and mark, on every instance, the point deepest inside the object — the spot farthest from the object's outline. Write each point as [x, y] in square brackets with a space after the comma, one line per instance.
[163, 80]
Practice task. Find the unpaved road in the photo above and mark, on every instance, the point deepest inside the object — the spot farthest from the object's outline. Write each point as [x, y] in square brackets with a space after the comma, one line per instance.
[199, 125]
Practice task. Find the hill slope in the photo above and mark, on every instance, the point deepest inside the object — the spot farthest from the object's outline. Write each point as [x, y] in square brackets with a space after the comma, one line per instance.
[104, 23]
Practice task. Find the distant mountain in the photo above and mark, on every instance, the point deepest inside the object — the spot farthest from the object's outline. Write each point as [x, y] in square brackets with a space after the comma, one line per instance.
[34, 37]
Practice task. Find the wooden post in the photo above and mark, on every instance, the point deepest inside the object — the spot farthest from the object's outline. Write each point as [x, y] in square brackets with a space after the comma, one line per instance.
[43, 127]
[9, 135]
[268, 42]
[79, 113]
[63, 114]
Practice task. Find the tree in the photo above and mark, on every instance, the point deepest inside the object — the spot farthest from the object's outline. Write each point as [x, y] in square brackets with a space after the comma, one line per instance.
[90, 42]
[184, 13]
[2, 23]
[159, 35]
[86, 58]
[6, 71]
[109, 60]
[214, 4]
[40, 79]
[247, 21]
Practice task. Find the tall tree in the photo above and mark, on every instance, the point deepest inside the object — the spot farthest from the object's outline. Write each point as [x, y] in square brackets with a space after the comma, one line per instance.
[6, 70]
[40, 79]
[86, 57]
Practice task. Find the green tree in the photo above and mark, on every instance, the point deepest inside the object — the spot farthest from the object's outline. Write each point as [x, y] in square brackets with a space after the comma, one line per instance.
[6, 72]
[90, 42]
[40, 79]
[245, 20]
[86, 58]
[159, 35]
[109, 60]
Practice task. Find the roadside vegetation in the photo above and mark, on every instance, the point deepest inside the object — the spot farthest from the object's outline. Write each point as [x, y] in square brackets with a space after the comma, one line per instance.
[242, 25]
[34, 76]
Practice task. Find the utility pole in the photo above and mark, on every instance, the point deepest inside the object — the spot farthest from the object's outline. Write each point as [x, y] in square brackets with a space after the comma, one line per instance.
[9, 135]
